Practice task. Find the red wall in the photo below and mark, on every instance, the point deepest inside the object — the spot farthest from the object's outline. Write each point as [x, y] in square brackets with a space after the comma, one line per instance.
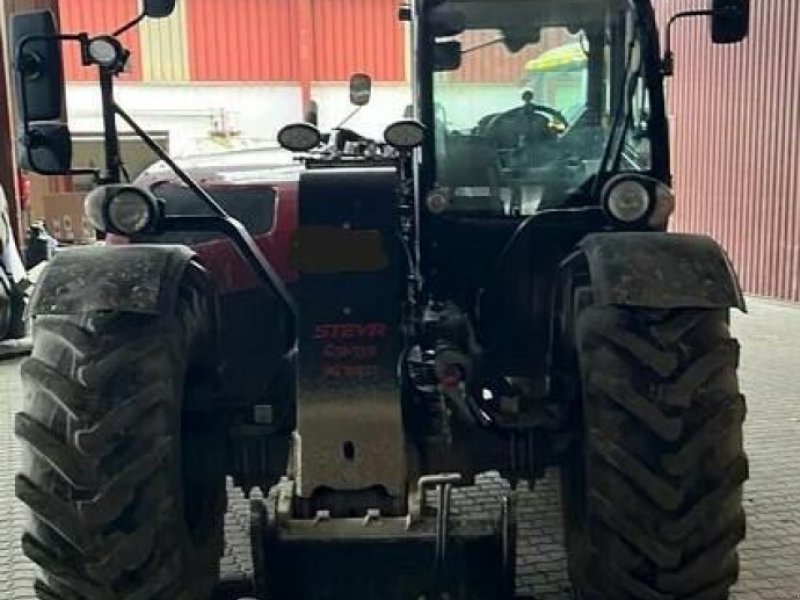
[243, 40]
[262, 40]
[735, 112]
[357, 35]
[494, 63]
[97, 17]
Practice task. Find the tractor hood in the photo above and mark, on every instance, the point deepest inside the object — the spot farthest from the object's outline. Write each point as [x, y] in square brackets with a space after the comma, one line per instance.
[268, 165]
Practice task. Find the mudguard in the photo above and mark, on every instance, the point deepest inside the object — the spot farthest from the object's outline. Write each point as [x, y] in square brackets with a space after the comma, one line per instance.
[139, 278]
[661, 270]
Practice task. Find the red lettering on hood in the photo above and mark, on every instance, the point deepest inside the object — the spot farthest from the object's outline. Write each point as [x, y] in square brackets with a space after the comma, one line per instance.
[350, 331]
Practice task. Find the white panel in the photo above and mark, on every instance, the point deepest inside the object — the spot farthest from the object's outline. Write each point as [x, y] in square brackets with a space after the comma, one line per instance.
[189, 112]
[386, 106]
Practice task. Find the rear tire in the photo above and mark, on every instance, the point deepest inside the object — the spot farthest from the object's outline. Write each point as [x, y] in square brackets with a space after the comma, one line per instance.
[118, 511]
[653, 490]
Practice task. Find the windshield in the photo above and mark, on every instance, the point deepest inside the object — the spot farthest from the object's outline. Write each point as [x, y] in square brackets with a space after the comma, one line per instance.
[533, 112]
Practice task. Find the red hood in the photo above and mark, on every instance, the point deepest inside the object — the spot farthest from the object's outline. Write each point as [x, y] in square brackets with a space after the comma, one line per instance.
[240, 168]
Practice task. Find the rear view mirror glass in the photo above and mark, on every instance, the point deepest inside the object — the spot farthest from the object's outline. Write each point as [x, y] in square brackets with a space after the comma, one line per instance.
[445, 21]
[446, 56]
[360, 89]
[158, 9]
[46, 149]
[730, 21]
[37, 63]
[515, 39]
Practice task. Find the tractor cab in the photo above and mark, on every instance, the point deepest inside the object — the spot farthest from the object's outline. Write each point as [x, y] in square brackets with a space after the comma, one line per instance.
[534, 105]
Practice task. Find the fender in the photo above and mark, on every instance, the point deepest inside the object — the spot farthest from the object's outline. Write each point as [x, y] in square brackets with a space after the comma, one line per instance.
[140, 278]
[661, 271]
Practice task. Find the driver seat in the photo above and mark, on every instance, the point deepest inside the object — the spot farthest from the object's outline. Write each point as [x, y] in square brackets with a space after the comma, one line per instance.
[470, 166]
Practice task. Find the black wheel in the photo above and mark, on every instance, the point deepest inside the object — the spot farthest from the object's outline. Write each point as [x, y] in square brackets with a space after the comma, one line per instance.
[126, 489]
[653, 490]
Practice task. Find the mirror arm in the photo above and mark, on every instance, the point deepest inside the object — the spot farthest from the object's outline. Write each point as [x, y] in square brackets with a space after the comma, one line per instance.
[130, 25]
[113, 173]
[668, 63]
[348, 117]
[163, 155]
[29, 39]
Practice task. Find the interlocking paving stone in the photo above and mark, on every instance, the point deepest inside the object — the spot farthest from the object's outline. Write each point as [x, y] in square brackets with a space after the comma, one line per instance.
[770, 557]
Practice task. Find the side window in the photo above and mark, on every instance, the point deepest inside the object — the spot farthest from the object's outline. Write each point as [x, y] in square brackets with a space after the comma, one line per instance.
[637, 148]
[637, 138]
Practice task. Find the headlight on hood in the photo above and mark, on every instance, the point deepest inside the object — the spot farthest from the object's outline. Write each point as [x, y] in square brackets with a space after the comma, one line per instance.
[122, 209]
[632, 199]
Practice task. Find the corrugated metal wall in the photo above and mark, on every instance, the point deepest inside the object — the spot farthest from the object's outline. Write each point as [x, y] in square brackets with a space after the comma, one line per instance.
[250, 40]
[98, 18]
[735, 113]
[243, 40]
[357, 35]
[494, 63]
[165, 51]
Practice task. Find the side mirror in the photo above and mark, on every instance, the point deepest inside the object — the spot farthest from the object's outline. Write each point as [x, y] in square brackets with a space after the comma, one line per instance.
[730, 21]
[45, 144]
[46, 149]
[158, 9]
[445, 21]
[38, 67]
[360, 89]
[446, 56]
[516, 39]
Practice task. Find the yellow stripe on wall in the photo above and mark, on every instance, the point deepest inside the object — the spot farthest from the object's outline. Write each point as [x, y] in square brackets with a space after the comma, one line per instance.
[165, 52]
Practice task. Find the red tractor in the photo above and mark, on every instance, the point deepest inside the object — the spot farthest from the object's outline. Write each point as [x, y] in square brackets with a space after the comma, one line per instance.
[491, 287]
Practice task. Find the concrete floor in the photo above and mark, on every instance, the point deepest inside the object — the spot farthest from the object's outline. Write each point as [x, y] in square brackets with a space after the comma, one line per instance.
[770, 566]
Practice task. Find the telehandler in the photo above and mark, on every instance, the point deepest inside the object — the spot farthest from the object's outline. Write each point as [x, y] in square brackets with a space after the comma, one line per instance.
[492, 287]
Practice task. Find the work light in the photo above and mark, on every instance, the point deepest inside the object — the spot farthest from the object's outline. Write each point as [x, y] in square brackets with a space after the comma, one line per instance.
[636, 199]
[404, 135]
[299, 137]
[122, 209]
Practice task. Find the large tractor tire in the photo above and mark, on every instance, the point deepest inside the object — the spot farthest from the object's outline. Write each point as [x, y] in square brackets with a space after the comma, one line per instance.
[126, 488]
[653, 488]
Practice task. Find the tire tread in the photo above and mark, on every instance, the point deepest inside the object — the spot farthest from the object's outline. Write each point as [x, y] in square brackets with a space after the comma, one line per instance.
[664, 461]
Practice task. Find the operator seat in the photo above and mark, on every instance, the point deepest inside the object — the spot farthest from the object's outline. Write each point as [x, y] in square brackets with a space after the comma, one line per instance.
[470, 166]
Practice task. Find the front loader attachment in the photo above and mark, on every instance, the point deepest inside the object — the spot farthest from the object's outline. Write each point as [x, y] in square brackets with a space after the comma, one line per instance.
[428, 554]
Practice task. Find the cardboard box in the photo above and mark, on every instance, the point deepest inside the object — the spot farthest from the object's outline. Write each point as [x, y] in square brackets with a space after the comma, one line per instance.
[65, 220]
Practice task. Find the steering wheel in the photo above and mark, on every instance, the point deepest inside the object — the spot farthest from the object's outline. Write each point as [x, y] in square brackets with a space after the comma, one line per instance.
[530, 122]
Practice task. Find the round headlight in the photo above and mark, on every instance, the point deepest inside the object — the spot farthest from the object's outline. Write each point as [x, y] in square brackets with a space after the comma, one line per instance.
[404, 135]
[121, 209]
[129, 212]
[104, 51]
[299, 137]
[627, 200]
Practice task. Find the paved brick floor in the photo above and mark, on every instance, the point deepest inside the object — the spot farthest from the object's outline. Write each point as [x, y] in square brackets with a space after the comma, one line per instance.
[770, 557]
